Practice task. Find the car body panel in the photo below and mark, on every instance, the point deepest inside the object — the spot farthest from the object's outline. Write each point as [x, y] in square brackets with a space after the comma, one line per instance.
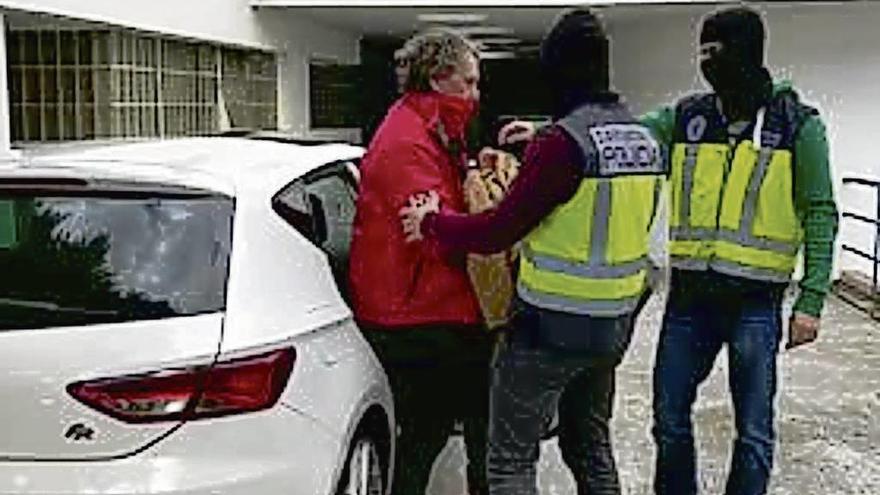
[37, 365]
[274, 452]
[280, 292]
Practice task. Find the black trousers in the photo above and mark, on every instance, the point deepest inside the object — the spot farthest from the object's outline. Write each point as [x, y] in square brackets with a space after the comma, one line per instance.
[553, 361]
[438, 375]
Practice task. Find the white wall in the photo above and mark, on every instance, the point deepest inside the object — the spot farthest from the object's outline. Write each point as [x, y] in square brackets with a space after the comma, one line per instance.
[297, 39]
[294, 37]
[829, 51]
[225, 21]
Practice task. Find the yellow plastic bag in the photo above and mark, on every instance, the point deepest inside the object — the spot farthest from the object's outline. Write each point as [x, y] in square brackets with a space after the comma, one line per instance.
[491, 275]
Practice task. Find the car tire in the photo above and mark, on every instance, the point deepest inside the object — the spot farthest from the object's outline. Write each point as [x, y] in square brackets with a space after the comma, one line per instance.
[364, 472]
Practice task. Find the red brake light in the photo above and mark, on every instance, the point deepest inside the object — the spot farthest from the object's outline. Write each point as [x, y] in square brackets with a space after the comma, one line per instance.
[230, 387]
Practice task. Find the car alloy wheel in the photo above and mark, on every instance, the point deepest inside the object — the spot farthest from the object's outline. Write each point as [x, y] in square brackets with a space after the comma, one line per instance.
[364, 470]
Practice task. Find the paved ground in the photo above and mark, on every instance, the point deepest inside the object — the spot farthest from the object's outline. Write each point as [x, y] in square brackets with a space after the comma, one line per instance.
[829, 418]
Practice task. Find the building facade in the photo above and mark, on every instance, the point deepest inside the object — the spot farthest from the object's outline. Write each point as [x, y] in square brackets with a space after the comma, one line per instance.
[97, 69]
[111, 69]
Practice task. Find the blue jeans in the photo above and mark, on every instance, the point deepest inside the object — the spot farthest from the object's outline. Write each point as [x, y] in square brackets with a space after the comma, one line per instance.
[700, 318]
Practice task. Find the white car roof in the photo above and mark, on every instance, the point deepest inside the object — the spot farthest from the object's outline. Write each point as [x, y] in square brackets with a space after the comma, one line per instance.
[232, 166]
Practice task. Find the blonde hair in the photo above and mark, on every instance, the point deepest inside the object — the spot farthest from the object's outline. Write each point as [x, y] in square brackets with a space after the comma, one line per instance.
[430, 53]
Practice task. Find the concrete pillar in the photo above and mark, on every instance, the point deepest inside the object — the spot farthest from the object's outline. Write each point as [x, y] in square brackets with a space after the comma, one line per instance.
[5, 131]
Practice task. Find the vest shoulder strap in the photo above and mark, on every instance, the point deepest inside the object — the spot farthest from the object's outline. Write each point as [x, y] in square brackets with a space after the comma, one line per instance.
[698, 120]
[795, 112]
[784, 118]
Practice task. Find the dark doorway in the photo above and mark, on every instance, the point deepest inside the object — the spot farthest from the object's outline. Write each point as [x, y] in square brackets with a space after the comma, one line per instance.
[509, 88]
[379, 81]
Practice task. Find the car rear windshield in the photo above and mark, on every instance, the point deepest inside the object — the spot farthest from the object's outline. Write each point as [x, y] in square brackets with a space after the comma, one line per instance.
[87, 258]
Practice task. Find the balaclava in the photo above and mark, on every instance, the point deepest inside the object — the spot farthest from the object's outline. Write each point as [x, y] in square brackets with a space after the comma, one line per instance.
[574, 58]
[735, 66]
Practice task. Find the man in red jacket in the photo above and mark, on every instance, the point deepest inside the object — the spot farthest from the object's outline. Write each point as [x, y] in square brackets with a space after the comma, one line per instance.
[414, 300]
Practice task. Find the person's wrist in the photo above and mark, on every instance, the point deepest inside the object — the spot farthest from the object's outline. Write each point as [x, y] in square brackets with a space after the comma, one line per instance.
[428, 223]
[808, 303]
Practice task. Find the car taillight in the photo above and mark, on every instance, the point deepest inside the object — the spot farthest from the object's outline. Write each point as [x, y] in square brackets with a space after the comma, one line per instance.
[229, 387]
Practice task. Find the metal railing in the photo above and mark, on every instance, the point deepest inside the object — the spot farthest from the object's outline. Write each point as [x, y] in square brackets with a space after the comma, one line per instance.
[875, 257]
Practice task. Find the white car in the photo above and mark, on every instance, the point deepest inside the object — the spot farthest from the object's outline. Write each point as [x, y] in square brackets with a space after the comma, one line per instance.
[173, 320]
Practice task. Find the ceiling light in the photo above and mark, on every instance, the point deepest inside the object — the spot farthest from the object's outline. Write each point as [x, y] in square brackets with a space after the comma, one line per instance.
[527, 50]
[497, 55]
[500, 41]
[462, 18]
[485, 30]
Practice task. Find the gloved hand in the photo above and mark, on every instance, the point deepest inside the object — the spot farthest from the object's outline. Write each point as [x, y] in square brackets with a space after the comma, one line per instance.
[411, 216]
[516, 132]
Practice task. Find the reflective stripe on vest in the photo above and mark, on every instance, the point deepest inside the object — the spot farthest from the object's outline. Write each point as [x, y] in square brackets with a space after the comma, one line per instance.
[598, 308]
[589, 256]
[740, 243]
[591, 287]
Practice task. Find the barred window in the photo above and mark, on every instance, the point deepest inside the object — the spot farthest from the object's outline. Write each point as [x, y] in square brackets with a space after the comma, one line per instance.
[57, 79]
[189, 88]
[335, 95]
[134, 85]
[75, 85]
[250, 88]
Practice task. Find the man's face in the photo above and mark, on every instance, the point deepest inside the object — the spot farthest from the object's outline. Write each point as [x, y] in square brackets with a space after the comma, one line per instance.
[463, 81]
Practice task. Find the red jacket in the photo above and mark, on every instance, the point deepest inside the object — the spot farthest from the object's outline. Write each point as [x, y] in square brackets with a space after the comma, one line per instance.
[394, 283]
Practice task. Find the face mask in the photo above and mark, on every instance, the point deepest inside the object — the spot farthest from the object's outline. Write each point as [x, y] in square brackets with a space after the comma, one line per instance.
[455, 113]
[734, 79]
[731, 52]
[723, 74]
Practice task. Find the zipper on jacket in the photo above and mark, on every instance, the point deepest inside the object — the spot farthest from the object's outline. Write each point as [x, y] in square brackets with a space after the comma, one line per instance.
[417, 274]
[728, 165]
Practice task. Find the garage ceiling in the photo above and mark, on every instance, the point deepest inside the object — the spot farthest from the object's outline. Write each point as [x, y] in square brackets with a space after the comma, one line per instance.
[527, 23]
[503, 32]
[524, 22]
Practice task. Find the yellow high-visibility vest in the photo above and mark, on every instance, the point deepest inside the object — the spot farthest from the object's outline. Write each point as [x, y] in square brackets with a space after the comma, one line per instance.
[590, 256]
[733, 207]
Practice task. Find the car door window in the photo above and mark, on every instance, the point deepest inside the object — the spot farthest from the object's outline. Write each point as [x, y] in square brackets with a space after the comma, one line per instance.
[321, 206]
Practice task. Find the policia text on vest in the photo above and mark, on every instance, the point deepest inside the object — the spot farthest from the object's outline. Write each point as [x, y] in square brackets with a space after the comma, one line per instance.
[590, 256]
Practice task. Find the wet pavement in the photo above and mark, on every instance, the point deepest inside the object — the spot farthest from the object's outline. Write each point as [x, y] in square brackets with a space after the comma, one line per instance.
[828, 418]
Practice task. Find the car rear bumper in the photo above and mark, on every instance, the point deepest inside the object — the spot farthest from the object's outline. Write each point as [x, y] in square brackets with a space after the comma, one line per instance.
[275, 452]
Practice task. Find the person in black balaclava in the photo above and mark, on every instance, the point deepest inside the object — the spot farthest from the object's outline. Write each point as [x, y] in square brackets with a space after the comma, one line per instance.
[572, 317]
[751, 183]
[574, 60]
[732, 61]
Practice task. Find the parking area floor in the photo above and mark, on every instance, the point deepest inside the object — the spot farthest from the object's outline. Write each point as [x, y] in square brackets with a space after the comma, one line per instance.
[828, 420]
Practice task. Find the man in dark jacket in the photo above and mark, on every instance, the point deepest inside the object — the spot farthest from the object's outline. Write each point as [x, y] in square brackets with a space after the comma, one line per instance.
[414, 300]
[583, 205]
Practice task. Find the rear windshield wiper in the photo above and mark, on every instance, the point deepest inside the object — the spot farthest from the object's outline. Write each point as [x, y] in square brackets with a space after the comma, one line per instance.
[27, 186]
[55, 308]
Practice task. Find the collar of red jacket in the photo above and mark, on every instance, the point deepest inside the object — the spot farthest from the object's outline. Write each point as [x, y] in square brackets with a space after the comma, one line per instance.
[429, 106]
[426, 105]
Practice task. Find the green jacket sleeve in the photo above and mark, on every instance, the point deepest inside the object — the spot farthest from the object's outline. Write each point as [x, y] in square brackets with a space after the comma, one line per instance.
[661, 123]
[817, 210]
